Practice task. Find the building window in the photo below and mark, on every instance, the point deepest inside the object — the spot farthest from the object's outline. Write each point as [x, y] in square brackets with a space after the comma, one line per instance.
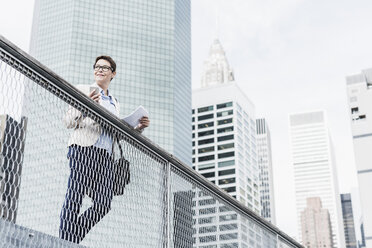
[206, 239]
[208, 175]
[207, 220]
[207, 202]
[225, 121]
[360, 117]
[226, 146]
[354, 110]
[206, 158]
[206, 149]
[205, 133]
[224, 113]
[224, 105]
[206, 141]
[205, 109]
[226, 163]
[207, 229]
[228, 217]
[228, 236]
[230, 189]
[205, 117]
[207, 210]
[225, 129]
[226, 155]
[227, 137]
[226, 181]
[226, 172]
[193, 111]
[224, 209]
[205, 125]
[206, 166]
[228, 227]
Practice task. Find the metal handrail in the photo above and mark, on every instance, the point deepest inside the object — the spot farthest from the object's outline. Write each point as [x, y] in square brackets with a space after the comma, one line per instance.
[18, 59]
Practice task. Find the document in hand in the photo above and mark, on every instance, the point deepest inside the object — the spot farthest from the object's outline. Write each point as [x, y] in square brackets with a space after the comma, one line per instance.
[135, 116]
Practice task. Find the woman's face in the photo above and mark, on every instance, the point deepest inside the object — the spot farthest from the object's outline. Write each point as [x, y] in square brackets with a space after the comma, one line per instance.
[102, 72]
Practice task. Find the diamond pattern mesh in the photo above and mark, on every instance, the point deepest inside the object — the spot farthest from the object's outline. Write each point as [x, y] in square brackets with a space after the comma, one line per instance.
[66, 192]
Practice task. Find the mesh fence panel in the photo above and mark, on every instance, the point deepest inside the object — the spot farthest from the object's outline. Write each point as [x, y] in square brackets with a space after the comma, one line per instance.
[202, 215]
[283, 243]
[59, 179]
[67, 192]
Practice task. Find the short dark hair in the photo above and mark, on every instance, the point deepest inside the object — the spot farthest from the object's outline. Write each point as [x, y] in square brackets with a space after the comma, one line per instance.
[108, 59]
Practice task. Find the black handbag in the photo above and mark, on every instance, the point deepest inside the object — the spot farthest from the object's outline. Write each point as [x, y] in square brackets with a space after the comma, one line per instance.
[121, 173]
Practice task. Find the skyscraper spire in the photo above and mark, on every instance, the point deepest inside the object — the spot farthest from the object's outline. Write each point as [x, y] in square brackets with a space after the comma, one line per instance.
[216, 67]
[217, 28]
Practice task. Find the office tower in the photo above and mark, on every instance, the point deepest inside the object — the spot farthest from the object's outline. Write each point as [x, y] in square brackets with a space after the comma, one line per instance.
[362, 242]
[150, 43]
[224, 151]
[316, 225]
[263, 143]
[12, 142]
[359, 94]
[182, 218]
[314, 168]
[358, 217]
[348, 219]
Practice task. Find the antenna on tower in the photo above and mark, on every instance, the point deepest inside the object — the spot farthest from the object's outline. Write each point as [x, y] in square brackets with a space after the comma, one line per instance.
[217, 16]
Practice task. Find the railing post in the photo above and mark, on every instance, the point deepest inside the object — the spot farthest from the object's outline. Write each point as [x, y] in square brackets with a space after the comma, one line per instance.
[277, 241]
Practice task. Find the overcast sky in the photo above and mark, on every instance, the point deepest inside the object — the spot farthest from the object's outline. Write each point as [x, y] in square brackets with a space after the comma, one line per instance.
[288, 56]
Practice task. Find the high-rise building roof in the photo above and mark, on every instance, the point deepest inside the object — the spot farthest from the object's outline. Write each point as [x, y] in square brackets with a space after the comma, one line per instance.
[216, 67]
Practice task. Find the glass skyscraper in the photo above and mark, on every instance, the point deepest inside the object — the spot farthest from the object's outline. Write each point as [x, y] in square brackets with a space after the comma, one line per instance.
[150, 42]
[348, 218]
[264, 160]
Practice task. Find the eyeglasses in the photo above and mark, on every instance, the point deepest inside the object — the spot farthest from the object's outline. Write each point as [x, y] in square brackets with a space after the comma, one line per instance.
[104, 68]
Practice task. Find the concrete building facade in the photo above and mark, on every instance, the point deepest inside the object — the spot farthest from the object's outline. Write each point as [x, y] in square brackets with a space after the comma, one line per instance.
[359, 95]
[314, 168]
[225, 152]
[316, 225]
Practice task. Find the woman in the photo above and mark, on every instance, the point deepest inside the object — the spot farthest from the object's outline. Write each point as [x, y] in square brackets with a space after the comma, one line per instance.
[90, 157]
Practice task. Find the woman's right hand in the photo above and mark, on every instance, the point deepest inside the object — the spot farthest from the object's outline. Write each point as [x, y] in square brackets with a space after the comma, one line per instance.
[95, 96]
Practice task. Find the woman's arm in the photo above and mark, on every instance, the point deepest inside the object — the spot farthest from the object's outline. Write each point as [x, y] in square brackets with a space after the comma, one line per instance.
[73, 118]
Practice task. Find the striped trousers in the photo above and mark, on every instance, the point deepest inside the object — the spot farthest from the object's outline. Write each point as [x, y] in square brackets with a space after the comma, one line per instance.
[91, 173]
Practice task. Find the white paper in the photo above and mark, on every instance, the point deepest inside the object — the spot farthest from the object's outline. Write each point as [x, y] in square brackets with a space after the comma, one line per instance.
[134, 118]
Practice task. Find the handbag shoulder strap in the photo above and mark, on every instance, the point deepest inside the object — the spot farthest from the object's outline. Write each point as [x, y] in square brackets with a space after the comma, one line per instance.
[120, 148]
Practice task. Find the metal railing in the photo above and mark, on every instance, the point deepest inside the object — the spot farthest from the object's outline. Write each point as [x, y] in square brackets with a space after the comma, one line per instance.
[166, 203]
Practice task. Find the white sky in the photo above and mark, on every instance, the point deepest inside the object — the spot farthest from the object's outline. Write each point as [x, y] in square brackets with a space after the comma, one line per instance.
[288, 56]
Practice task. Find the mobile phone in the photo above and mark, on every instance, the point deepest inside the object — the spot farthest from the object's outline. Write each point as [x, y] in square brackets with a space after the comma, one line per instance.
[93, 88]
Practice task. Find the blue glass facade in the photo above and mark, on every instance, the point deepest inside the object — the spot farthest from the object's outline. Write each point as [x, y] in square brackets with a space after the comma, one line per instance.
[150, 42]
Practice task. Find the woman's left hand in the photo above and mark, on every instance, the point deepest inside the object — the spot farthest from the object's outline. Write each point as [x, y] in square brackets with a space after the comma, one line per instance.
[144, 122]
